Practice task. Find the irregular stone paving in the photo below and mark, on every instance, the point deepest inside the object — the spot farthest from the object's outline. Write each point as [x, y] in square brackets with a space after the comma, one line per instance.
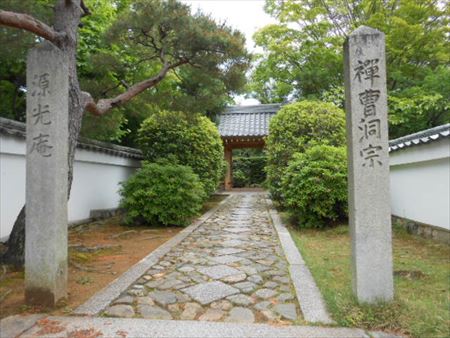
[230, 269]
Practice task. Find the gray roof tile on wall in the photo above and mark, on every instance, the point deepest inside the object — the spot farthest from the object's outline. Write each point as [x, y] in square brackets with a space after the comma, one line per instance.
[16, 128]
[424, 136]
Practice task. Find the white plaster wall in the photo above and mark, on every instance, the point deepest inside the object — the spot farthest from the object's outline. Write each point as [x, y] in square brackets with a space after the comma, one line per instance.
[96, 181]
[420, 183]
[12, 181]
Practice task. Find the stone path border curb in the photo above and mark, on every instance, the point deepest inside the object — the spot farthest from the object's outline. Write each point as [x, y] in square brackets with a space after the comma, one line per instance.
[308, 294]
[14, 326]
[136, 327]
[101, 300]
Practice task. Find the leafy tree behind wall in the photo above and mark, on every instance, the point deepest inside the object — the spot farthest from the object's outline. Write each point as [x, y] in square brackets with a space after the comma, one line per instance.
[15, 44]
[110, 59]
[132, 49]
[303, 54]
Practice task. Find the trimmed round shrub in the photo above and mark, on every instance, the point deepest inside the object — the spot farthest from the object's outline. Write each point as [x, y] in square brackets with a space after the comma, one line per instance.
[186, 139]
[315, 186]
[162, 193]
[295, 128]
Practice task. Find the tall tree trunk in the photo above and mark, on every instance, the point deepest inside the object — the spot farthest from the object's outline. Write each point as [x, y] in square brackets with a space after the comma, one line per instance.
[67, 19]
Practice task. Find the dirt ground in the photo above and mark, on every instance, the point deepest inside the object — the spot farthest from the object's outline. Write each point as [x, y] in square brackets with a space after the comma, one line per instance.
[99, 252]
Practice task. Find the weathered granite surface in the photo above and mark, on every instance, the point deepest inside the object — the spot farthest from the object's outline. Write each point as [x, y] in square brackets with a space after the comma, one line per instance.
[136, 327]
[368, 164]
[46, 175]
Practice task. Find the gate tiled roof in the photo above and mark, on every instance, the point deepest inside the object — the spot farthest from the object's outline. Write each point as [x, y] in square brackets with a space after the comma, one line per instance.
[238, 121]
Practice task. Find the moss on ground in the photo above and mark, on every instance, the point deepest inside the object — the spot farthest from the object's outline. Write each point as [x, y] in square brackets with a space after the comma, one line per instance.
[421, 304]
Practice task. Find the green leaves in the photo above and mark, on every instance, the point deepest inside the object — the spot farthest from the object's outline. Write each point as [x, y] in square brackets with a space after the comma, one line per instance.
[124, 42]
[315, 185]
[134, 46]
[191, 140]
[295, 128]
[302, 55]
[162, 193]
[248, 171]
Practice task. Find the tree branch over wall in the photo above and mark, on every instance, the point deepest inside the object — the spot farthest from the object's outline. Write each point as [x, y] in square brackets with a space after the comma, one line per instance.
[30, 24]
[33, 25]
[104, 105]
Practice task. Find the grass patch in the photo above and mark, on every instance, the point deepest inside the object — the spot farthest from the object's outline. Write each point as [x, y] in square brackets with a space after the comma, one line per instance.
[421, 304]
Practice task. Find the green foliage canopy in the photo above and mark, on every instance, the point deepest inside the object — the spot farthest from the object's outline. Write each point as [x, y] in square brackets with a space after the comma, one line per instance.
[188, 139]
[303, 56]
[120, 44]
[295, 128]
[148, 34]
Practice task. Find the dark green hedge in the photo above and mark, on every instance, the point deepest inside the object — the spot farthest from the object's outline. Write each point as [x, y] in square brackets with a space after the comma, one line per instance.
[315, 186]
[186, 139]
[162, 193]
[295, 128]
[249, 171]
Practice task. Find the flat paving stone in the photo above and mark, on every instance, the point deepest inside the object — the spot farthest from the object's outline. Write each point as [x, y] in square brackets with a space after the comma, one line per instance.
[285, 297]
[145, 300]
[241, 300]
[241, 315]
[154, 283]
[245, 287]
[153, 312]
[248, 270]
[237, 230]
[264, 305]
[163, 297]
[125, 300]
[270, 285]
[218, 271]
[191, 310]
[210, 292]
[233, 242]
[125, 311]
[224, 305]
[284, 280]
[265, 293]
[226, 259]
[287, 311]
[212, 315]
[228, 251]
[235, 278]
[186, 269]
[171, 284]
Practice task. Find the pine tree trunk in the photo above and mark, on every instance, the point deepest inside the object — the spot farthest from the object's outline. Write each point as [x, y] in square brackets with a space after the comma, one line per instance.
[67, 19]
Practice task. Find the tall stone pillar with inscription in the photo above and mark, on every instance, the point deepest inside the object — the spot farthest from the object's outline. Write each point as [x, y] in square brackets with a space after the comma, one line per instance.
[368, 165]
[46, 176]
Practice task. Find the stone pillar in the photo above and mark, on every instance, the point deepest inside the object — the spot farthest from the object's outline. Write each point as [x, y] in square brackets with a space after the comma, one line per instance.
[46, 176]
[229, 173]
[368, 165]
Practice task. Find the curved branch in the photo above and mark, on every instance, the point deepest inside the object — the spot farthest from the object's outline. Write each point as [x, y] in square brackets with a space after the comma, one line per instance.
[30, 24]
[104, 105]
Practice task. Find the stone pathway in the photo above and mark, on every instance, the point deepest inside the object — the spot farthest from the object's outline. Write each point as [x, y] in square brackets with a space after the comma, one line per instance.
[225, 275]
[230, 269]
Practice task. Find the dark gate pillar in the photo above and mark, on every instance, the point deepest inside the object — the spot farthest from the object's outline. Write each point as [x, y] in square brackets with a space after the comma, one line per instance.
[229, 173]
